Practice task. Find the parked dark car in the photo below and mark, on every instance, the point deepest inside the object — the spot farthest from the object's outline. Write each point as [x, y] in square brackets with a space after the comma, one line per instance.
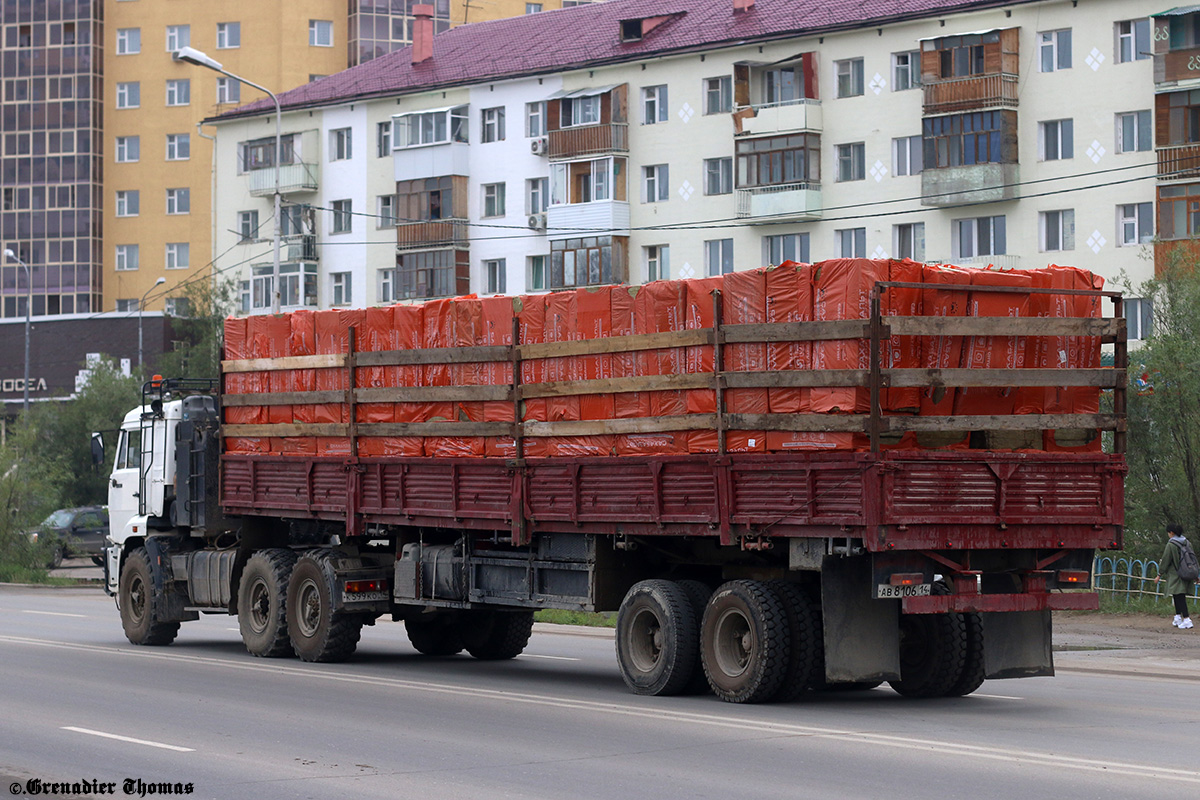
[74, 532]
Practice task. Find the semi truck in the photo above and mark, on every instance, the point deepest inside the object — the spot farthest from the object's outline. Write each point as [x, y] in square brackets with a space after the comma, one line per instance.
[782, 522]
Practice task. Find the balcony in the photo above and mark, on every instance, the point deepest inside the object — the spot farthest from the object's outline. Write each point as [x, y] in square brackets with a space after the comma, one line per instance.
[784, 202]
[999, 262]
[589, 140]
[600, 218]
[299, 247]
[971, 93]
[1179, 162]
[973, 183]
[293, 178]
[1176, 66]
[431, 234]
[792, 117]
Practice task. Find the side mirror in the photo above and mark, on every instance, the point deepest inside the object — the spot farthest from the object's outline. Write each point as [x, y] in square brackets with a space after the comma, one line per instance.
[97, 450]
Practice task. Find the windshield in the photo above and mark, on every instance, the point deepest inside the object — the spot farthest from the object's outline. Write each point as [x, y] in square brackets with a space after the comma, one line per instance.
[59, 519]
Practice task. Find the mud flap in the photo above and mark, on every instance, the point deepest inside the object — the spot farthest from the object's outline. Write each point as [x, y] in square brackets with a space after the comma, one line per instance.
[862, 635]
[1016, 644]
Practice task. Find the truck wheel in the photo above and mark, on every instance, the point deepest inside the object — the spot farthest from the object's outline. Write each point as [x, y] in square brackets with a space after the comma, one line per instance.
[932, 654]
[316, 631]
[437, 637]
[262, 603]
[745, 642]
[972, 673]
[656, 638]
[497, 635]
[135, 596]
[804, 658]
[698, 592]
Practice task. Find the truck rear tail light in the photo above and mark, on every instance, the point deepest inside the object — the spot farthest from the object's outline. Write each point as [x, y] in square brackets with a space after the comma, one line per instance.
[358, 587]
[1073, 576]
[906, 578]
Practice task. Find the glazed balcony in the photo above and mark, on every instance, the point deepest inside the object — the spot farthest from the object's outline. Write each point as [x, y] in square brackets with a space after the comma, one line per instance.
[944, 96]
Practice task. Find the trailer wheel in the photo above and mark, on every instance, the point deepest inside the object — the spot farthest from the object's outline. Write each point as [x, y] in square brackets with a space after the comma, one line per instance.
[262, 603]
[136, 602]
[932, 654]
[745, 642]
[437, 637]
[972, 673]
[698, 593]
[316, 631]
[804, 660]
[497, 635]
[656, 638]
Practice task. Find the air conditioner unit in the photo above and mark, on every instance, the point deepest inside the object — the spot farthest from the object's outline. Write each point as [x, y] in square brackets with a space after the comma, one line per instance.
[539, 146]
[537, 222]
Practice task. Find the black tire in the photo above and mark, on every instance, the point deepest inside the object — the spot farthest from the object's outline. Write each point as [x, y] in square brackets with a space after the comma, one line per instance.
[262, 603]
[657, 638]
[497, 635]
[933, 649]
[805, 658]
[698, 592]
[972, 673]
[56, 557]
[316, 631]
[745, 642]
[135, 598]
[98, 561]
[437, 637]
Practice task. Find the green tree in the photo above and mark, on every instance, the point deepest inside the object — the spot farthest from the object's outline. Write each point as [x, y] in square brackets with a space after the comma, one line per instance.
[30, 488]
[200, 333]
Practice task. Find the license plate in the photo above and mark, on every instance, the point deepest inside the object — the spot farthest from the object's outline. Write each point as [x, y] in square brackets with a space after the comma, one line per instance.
[887, 591]
[370, 597]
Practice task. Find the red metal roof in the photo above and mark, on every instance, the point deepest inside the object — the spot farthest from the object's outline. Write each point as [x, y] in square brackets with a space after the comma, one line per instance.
[554, 41]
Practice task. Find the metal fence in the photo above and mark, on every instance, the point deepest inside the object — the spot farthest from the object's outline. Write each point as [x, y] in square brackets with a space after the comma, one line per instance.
[1129, 577]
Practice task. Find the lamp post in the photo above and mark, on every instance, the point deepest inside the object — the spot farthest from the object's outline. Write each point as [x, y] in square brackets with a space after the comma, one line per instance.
[142, 304]
[28, 307]
[191, 55]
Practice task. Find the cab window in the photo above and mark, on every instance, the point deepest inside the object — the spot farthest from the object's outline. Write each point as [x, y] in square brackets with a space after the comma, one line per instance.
[129, 450]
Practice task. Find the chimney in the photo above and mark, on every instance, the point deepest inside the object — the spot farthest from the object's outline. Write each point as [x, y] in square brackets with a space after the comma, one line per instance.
[742, 5]
[422, 46]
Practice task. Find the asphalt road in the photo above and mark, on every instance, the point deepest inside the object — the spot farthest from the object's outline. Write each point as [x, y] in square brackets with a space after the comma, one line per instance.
[79, 703]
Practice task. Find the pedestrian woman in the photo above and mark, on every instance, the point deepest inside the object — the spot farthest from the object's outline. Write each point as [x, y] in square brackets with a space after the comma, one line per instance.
[1169, 565]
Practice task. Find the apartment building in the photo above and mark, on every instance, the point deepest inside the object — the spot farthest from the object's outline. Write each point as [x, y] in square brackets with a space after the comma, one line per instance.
[631, 141]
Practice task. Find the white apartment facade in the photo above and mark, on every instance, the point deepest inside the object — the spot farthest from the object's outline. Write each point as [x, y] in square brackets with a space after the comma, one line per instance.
[1016, 136]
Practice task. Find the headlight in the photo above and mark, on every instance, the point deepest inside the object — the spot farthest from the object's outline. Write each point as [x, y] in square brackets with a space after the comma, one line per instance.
[33, 537]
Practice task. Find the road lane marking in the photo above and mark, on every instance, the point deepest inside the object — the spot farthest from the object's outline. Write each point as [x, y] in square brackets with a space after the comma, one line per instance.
[129, 739]
[551, 658]
[728, 721]
[997, 696]
[53, 613]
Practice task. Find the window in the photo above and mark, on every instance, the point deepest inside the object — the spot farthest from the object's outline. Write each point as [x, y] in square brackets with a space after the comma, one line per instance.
[849, 77]
[592, 261]
[963, 139]
[577, 111]
[127, 203]
[979, 236]
[718, 175]
[127, 149]
[654, 183]
[228, 91]
[1056, 139]
[343, 216]
[127, 257]
[1139, 317]
[1054, 49]
[537, 195]
[962, 56]
[1133, 40]
[178, 307]
[654, 105]
[260, 153]
[178, 255]
[535, 119]
[1134, 224]
[495, 275]
[179, 93]
[906, 70]
[127, 306]
[426, 199]
[785, 247]
[320, 33]
[909, 240]
[658, 262]
[430, 127]
[536, 267]
[129, 41]
[782, 85]
[248, 225]
[383, 138]
[1056, 230]
[493, 124]
[386, 213]
[178, 36]
[906, 155]
[297, 285]
[179, 146]
[718, 256]
[851, 162]
[179, 201]
[129, 95]
[387, 285]
[851, 243]
[340, 144]
[1183, 117]
[777, 160]
[718, 95]
[1133, 132]
[582, 181]
[428, 274]
[1179, 211]
[533, 8]
[493, 200]
[229, 35]
[341, 288]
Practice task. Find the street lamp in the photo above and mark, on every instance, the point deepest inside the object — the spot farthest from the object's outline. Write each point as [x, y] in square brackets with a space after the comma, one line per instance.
[28, 305]
[142, 304]
[191, 55]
